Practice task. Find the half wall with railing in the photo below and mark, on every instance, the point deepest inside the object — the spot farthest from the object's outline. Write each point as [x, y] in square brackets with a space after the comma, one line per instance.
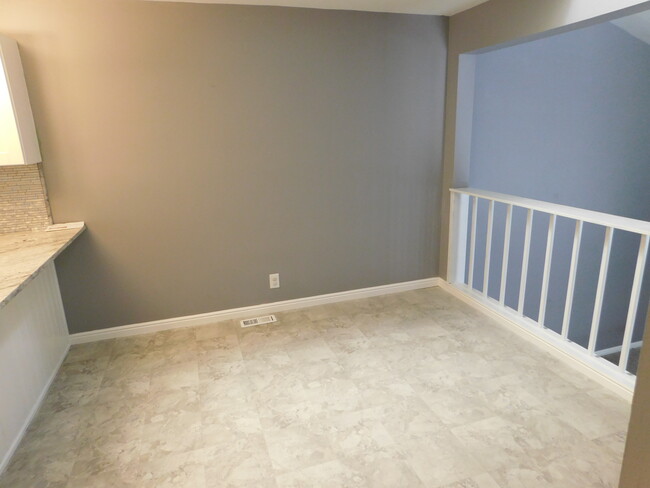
[573, 277]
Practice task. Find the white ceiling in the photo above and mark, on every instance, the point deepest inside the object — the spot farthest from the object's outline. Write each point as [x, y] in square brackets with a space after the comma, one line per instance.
[638, 25]
[426, 7]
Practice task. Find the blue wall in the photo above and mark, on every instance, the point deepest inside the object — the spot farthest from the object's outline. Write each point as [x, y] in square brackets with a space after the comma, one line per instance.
[567, 120]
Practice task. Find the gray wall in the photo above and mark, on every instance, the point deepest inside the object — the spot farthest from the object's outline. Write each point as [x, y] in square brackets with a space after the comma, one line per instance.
[566, 119]
[208, 146]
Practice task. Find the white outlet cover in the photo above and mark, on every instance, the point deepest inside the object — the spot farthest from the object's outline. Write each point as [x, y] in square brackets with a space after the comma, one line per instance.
[274, 280]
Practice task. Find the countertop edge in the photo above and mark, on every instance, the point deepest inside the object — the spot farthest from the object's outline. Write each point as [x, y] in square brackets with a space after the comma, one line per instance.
[39, 268]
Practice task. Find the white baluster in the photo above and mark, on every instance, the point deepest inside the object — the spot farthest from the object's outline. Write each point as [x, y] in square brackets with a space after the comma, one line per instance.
[575, 254]
[550, 239]
[634, 302]
[506, 253]
[524, 261]
[600, 291]
[472, 245]
[488, 248]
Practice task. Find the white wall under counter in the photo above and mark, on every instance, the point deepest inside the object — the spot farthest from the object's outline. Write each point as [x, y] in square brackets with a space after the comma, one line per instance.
[33, 343]
[33, 329]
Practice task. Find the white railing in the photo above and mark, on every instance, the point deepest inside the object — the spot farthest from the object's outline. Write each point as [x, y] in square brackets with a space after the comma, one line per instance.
[461, 269]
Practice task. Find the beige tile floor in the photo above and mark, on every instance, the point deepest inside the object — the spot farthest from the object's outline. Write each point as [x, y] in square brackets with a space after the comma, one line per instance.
[407, 390]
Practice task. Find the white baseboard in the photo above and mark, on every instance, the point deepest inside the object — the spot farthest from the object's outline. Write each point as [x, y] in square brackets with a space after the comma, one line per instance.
[612, 350]
[596, 368]
[32, 413]
[243, 312]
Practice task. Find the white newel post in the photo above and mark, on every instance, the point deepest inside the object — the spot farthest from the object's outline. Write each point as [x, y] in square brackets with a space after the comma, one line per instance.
[457, 238]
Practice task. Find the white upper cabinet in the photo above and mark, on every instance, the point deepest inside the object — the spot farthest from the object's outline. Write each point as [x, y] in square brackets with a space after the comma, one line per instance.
[18, 142]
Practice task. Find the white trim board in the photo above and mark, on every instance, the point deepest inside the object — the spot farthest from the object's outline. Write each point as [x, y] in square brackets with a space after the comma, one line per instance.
[243, 312]
[596, 368]
[612, 350]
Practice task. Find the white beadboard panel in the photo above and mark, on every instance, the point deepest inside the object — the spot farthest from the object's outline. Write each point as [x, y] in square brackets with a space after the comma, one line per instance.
[33, 343]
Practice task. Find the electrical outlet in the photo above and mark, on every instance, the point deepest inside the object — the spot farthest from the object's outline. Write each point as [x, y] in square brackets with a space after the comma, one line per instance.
[274, 280]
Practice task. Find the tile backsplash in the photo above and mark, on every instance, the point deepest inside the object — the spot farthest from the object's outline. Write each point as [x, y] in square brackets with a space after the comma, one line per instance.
[23, 199]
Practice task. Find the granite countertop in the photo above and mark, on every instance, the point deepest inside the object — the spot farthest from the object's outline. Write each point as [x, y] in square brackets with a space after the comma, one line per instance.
[24, 254]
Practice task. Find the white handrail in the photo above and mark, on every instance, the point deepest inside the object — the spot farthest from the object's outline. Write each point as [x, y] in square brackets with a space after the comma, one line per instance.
[591, 216]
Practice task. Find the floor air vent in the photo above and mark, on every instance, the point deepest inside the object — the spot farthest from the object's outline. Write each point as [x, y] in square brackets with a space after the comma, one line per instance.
[266, 319]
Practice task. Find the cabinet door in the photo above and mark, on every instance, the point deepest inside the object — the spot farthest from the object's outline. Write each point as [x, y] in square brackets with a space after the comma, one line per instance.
[18, 142]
